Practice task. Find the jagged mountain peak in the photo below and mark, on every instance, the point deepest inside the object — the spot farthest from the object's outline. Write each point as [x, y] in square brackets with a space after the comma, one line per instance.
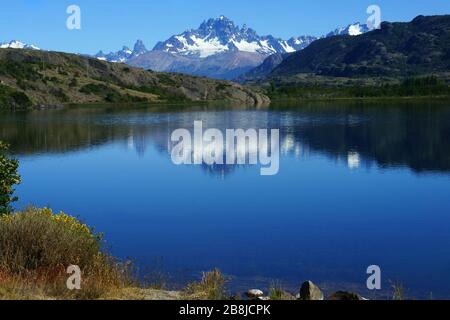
[139, 48]
[221, 22]
[125, 54]
[221, 35]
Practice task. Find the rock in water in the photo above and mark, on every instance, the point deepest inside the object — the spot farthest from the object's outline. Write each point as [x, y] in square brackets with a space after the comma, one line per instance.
[309, 291]
[264, 298]
[254, 294]
[343, 296]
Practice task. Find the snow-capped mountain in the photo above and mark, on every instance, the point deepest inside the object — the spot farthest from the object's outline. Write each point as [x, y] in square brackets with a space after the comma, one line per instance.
[273, 61]
[300, 43]
[220, 35]
[123, 55]
[14, 44]
[218, 48]
[354, 29]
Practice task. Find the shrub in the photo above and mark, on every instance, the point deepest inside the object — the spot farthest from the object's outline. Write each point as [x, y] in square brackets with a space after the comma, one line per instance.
[19, 70]
[37, 238]
[10, 98]
[110, 94]
[8, 178]
[36, 247]
[221, 86]
[73, 82]
[162, 92]
[60, 94]
[166, 79]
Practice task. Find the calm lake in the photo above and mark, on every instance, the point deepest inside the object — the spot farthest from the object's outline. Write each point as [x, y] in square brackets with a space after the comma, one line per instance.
[359, 185]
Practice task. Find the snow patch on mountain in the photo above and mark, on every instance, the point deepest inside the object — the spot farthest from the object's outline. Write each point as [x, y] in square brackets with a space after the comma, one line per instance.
[197, 46]
[287, 48]
[246, 46]
[14, 44]
[354, 29]
[220, 35]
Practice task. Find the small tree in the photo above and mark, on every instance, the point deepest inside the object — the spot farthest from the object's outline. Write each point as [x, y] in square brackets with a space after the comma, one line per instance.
[8, 178]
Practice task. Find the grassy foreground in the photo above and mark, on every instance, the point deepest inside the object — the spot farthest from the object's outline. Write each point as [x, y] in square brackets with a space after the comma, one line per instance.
[37, 246]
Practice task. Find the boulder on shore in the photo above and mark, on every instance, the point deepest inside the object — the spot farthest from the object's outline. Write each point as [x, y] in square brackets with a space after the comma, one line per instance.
[309, 291]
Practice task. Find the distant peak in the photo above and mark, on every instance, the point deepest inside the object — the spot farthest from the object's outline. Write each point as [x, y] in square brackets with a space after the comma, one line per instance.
[222, 20]
[139, 47]
[15, 44]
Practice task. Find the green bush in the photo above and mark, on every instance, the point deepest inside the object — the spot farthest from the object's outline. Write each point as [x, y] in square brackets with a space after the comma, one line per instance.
[409, 87]
[110, 94]
[166, 79]
[161, 92]
[60, 94]
[12, 99]
[8, 178]
[17, 70]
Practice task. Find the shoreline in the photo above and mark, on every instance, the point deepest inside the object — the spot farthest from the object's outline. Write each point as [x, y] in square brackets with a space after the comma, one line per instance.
[227, 105]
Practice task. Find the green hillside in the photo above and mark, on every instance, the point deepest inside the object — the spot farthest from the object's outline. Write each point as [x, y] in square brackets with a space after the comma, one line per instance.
[38, 78]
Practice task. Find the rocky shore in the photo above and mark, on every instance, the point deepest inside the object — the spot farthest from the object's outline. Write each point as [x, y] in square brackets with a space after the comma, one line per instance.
[308, 292]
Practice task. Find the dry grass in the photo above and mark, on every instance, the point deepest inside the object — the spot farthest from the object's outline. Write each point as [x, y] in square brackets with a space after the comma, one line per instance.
[398, 291]
[37, 246]
[277, 292]
[211, 287]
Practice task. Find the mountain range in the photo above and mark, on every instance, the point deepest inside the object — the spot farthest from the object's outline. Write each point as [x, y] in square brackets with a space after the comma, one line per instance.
[217, 49]
[123, 55]
[402, 49]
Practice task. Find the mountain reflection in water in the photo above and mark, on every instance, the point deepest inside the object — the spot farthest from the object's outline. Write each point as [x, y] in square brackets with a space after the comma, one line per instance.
[413, 136]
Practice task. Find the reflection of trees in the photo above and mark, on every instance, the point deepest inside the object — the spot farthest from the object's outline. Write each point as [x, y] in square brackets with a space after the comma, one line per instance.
[55, 131]
[410, 135]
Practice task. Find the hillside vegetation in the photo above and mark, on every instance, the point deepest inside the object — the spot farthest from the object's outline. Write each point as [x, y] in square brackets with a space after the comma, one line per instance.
[329, 88]
[420, 47]
[31, 78]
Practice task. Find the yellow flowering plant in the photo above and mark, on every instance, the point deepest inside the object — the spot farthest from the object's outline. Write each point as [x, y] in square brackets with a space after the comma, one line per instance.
[37, 238]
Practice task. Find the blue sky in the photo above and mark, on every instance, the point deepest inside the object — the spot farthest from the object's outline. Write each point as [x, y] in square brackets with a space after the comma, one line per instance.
[108, 24]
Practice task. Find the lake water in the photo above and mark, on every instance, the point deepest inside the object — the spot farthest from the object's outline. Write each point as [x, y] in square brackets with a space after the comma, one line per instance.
[359, 185]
